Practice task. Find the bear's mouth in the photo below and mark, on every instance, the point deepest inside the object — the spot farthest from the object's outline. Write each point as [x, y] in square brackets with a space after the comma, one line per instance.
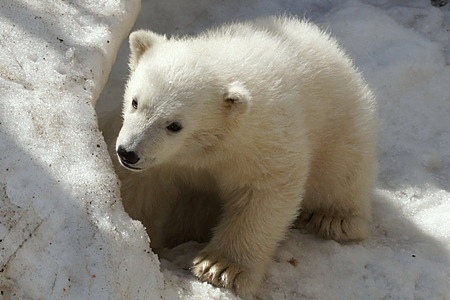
[129, 166]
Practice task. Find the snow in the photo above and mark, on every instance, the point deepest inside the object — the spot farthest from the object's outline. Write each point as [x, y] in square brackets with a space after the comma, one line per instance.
[63, 231]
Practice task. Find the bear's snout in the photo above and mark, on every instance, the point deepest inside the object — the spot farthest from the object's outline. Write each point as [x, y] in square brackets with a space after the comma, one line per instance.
[127, 157]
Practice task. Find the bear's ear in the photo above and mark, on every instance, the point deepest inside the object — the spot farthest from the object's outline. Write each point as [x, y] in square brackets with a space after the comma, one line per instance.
[237, 98]
[140, 41]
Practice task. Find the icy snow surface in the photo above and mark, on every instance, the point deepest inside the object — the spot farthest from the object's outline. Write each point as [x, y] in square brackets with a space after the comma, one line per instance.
[63, 232]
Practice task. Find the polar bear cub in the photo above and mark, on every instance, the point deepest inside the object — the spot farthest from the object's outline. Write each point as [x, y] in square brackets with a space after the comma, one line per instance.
[239, 133]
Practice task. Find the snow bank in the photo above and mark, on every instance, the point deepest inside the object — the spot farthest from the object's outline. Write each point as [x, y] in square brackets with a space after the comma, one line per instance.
[63, 231]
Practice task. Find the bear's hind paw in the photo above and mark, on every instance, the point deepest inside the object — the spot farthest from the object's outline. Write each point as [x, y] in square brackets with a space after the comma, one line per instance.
[338, 228]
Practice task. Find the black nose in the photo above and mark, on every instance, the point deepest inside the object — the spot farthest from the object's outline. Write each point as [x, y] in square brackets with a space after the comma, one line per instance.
[129, 157]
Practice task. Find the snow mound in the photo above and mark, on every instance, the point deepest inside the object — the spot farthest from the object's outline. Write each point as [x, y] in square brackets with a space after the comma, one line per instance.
[63, 231]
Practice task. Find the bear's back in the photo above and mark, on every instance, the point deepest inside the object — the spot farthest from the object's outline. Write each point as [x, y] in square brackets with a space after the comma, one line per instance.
[294, 52]
[286, 37]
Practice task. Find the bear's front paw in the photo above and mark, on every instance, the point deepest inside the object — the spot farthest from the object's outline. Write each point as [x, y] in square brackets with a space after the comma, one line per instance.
[221, 272]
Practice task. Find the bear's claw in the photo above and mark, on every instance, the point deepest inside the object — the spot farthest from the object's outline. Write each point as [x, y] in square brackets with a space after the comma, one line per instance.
[220, 272]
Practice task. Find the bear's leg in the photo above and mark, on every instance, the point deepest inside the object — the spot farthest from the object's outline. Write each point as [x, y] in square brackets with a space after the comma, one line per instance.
[192, 218]
[252, 225]
[336, 204]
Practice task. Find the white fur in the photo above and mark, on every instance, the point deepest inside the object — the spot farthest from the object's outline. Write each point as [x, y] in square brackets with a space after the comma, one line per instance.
[276, 123]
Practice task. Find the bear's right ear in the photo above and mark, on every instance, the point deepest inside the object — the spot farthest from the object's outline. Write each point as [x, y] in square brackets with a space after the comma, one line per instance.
[140, 41]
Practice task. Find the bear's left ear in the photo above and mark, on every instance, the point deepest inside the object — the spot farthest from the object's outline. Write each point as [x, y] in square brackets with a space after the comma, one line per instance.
[237, 98]
[140, 41]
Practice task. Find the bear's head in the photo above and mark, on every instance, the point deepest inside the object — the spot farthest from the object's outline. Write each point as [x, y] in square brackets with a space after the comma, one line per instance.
[177, 106]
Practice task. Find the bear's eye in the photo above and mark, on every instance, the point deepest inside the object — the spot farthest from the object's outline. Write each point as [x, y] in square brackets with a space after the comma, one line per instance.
[174, 127]
[134, 103]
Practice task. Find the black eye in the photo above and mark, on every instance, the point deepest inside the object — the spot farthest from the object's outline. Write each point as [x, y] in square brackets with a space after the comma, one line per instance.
[134, 103]
[174, 127]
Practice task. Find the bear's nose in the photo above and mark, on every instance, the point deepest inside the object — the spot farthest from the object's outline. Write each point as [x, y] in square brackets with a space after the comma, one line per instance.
[129, 157]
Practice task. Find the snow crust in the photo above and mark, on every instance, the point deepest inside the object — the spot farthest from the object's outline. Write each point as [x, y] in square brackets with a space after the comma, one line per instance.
[63, 231]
